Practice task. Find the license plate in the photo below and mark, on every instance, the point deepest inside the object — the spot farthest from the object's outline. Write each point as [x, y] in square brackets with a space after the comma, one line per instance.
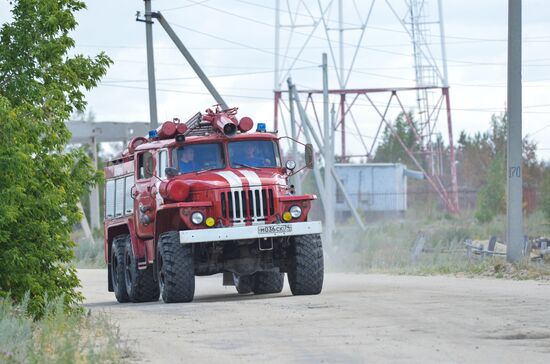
[274, 229]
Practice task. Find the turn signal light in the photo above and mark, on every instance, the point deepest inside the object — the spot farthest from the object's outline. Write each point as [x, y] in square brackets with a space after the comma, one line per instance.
[210, 221]
[287, 216]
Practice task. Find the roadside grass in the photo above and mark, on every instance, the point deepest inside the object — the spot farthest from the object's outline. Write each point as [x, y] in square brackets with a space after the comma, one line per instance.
[387, 246]
[88, 254]
[58, 336]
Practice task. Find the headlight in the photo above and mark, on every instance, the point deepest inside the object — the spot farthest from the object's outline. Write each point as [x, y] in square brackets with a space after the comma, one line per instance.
[197, 218]
[295, 211]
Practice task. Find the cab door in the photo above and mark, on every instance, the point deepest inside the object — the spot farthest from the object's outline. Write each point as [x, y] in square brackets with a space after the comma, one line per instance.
[145, 193]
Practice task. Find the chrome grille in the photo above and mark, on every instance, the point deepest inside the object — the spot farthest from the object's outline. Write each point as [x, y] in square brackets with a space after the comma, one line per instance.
[243, 206]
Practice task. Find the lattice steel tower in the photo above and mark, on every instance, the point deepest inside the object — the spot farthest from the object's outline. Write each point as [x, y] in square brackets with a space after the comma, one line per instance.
[422, 22]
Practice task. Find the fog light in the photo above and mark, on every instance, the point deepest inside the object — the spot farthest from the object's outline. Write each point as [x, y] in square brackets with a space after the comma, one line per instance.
[287, 216]
[197, 218]
[210, 221]
[290, 165]
[295, 211]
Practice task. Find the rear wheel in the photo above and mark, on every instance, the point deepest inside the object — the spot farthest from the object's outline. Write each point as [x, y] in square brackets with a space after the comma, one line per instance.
[176, 272]
[268, 282]
[140, 284]
[117, 269]
[307, 269]
[243, 283]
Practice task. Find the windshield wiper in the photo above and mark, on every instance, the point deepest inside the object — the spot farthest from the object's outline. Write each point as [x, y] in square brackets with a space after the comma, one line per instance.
[244, 165]
[207, 169]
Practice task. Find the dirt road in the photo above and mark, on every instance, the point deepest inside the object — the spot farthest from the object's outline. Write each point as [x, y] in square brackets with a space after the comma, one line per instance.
[357, 318]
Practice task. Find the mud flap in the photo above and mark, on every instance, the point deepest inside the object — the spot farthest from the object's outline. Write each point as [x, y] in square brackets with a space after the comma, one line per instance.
[109, 280]
[228, 279]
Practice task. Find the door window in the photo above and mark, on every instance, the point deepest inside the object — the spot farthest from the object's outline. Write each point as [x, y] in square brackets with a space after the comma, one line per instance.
[110, 199]
[146, 165]
[128, 200]
[163, 163]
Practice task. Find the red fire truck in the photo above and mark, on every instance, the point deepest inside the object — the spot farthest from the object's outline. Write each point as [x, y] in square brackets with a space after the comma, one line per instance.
[204, 197]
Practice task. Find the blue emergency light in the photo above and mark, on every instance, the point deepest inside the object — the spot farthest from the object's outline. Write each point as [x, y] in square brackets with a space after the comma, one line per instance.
[261, 128]
[153, 134]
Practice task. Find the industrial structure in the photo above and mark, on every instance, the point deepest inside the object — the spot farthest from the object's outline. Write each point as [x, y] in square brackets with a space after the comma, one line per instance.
[430, 91]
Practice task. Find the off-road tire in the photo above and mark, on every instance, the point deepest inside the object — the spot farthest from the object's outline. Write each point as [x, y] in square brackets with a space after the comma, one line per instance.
[117, 269]
[140, 284]
[268, 282]
[305, 276]
[176, 272]
[243, 283]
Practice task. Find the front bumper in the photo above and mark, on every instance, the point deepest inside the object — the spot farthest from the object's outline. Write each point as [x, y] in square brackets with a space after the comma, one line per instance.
[249, 232]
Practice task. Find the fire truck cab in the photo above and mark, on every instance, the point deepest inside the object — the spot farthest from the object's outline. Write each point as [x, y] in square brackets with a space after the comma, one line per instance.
[204, 197]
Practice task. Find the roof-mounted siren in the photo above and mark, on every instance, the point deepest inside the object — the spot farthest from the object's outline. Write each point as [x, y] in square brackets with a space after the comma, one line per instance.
[167, 130]
[245, 124]
[181, 128]
[170, 129]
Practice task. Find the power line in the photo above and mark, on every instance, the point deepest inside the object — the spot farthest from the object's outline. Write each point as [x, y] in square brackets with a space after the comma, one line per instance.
[485, 109]
[195, 77]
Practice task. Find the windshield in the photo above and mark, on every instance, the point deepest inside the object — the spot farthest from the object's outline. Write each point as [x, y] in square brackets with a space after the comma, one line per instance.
[199, 157]
[254, 153]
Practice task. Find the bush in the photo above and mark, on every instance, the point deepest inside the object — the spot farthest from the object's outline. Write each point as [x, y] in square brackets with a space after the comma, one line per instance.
[544, 194]
[492, 196]
[41, 182]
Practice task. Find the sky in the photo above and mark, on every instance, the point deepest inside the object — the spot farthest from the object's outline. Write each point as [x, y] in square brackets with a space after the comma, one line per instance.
[233, 41]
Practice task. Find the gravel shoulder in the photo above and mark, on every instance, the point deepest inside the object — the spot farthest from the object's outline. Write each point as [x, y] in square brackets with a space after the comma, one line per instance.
[357, 318]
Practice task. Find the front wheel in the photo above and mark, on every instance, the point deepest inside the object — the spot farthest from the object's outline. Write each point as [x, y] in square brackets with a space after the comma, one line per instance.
[176, 272]
[305, 276]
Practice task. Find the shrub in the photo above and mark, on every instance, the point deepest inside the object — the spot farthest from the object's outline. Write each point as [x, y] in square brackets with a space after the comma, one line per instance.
[492, 196]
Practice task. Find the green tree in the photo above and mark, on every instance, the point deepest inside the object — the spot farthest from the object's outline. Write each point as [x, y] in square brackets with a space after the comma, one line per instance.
[476, 153]
[390, 150]
[482, 165]
[41, 182]
[491, 200]
[545, 194]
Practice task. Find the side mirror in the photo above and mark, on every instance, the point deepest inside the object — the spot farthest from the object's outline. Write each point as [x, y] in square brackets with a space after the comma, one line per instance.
[309, 156]
[171, 172]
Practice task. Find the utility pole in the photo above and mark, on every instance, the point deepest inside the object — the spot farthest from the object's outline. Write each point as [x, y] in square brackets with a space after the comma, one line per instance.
[514, 205]
[151, 66]
[310, 134]
[276, 80]
[189, 58]
[296, 181]
[342, 79]
[94, 193]
[329, 158]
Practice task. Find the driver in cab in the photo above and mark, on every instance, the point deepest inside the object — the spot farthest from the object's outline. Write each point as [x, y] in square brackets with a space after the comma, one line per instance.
[253, 157]
[186, 162]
